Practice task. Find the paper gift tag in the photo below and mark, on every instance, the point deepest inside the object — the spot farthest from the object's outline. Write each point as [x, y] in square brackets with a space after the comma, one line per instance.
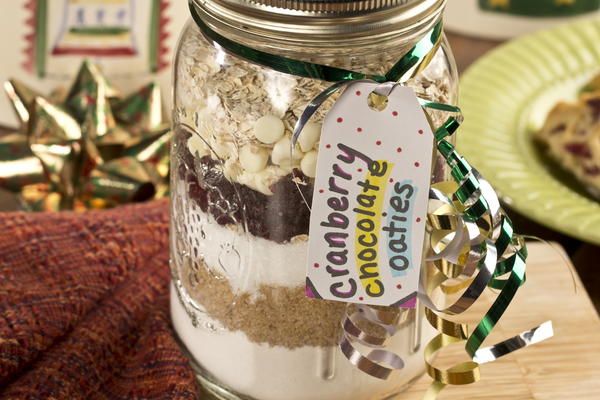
[367, 224]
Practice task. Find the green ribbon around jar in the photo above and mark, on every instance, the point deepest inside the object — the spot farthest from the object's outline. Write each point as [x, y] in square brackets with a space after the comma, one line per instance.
[479, 250]
[408, 66]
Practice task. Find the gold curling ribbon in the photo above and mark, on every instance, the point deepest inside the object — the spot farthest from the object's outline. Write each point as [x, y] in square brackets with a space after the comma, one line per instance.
[472, 246]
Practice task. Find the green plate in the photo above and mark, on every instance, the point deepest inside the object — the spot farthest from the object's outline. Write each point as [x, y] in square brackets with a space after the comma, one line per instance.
[505, 97]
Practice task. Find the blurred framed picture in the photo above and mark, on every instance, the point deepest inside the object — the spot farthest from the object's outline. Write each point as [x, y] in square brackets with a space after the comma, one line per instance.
[132, 40]
[501, 19]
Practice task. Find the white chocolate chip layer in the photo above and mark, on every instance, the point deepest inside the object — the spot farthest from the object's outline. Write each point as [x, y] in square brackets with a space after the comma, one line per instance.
[269, 129]
[253, 158]
[310, 136]
[308, 165]
[281, 153]
[197, 146]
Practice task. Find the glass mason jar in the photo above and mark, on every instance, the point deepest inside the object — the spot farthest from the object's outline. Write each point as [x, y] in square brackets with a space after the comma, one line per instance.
[239, 219]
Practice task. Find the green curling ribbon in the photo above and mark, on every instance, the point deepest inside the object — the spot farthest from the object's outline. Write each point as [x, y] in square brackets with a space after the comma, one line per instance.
[480, 206]
[463, 175]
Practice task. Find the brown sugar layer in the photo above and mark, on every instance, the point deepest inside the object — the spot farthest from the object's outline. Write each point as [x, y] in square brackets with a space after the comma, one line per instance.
[278, 217]
[278, 316]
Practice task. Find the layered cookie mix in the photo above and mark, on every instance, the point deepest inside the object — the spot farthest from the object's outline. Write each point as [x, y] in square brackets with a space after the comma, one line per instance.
[241, 259]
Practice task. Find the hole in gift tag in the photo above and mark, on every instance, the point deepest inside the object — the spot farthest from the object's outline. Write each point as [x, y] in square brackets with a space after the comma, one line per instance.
[377, 102]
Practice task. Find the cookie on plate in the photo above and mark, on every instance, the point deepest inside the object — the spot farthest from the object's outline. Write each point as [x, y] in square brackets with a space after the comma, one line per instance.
[572, 135]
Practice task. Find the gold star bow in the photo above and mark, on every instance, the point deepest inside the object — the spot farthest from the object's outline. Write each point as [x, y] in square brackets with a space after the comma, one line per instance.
[86, 149]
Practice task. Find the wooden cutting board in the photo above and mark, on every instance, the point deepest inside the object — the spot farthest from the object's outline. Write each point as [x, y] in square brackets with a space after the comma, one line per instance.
[567, 366]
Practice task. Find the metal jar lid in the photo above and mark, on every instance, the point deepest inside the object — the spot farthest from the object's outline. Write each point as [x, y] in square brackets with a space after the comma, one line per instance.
[321, 21]
[332, 6]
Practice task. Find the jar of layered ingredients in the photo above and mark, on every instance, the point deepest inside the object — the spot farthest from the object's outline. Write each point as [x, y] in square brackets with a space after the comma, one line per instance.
[240, 196]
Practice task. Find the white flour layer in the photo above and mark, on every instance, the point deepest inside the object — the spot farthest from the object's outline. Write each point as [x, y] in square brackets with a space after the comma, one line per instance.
[266, 372]
[247, 261]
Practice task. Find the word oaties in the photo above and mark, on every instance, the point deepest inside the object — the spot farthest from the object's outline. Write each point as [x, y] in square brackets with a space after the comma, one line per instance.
[369, 228]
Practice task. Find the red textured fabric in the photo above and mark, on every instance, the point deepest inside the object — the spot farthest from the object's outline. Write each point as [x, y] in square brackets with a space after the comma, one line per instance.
[84, 307]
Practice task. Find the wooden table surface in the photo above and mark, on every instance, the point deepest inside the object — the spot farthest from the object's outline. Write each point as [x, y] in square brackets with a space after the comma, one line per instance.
[565, 367]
